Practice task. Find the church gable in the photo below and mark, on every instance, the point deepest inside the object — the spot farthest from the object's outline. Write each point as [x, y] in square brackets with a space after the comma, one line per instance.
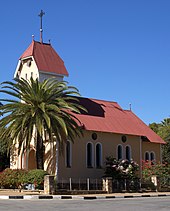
[47, 61]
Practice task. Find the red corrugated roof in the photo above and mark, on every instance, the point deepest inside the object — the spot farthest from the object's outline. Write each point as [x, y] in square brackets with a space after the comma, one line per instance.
[46, 58]
[105, 116]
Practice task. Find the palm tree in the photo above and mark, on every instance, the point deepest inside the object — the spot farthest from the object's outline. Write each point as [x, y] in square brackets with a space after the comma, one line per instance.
[38, 108]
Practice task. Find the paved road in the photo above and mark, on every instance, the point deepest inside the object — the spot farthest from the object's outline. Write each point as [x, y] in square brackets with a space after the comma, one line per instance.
[131, 204]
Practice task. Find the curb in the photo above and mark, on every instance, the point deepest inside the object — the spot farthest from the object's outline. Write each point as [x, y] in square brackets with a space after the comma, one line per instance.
[76, 197]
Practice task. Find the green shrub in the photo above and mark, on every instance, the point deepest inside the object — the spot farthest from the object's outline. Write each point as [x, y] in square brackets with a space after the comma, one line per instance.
[12, 178]
[17, 178]
[36, 177]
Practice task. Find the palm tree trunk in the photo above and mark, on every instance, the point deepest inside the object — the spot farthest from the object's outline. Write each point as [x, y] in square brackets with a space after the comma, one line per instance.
[40, 152]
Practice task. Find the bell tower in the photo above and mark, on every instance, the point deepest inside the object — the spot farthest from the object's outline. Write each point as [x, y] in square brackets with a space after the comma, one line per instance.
[40, 60]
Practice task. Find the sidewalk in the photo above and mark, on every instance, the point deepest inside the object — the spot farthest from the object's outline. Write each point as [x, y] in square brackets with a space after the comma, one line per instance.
[15, 194]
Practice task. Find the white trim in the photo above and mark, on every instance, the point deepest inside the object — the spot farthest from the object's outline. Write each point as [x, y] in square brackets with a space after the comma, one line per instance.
[20, 63]
[51, 73]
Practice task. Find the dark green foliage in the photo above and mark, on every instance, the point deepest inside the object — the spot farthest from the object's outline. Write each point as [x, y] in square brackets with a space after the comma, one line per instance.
[163, 130]
[36, 177]
[17, 178]
[36, 108]
[12, 178]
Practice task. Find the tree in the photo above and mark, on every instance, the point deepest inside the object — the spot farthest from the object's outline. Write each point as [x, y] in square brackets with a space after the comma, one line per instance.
[163, 130]
[37, 108]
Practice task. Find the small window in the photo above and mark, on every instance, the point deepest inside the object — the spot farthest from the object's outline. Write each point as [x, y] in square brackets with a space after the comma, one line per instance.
[31, 74]
[119, 152]
[89, 152]
[124, 139]
[29, 63]
[26, 76]
[98, 155]
[128, 153]
[94, 136]
[68, 154]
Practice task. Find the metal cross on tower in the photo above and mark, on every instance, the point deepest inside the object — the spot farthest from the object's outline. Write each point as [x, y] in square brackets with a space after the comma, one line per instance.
[41, 30]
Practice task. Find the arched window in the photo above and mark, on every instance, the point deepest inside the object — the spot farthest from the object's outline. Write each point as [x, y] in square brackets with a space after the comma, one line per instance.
[68, 154]
[98, 155]
[147, 156]
[89, 155]
[152, 156]
[128, 153]
[119, 152]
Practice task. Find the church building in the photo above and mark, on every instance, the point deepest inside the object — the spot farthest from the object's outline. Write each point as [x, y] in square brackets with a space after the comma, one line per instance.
[108, 129]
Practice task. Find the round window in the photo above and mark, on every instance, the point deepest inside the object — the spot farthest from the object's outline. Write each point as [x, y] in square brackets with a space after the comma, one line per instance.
[124, 139]
[94, 136]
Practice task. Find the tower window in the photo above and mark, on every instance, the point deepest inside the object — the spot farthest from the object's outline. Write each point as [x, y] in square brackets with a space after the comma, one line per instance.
[29, 63]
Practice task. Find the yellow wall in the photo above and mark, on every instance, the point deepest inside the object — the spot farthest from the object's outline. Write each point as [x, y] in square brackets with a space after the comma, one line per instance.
[109, 148]
[109, 144]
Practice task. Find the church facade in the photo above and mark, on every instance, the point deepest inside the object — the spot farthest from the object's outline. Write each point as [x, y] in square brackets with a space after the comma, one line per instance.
[108, 130]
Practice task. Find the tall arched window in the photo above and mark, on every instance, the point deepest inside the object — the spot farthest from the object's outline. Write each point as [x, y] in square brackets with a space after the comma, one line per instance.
[152, 156]
[89, 155]
[128, 153]
[98, 155]
[119, 152]
[68, 154]
[147, 158]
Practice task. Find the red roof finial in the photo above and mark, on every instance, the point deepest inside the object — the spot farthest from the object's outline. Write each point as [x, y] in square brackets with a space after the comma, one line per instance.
[41, 30]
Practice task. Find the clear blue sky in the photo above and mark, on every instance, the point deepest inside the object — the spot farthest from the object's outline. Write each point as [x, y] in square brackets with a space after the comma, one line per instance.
[116, 50]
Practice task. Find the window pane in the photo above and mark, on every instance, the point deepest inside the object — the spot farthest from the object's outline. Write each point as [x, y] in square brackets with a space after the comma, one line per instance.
[98, 155]
[146, 156]
[152, 156]
[68, 154]
[119, 153]
[128, 153]
[89, 155]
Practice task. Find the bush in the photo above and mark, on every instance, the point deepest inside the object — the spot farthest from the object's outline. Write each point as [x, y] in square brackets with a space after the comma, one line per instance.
[162, 171]
[12, 178]
[36, 177]
[17, 178]
[123, 169]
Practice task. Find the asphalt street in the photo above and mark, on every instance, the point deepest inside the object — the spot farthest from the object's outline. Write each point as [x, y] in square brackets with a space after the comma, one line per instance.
[123, 204]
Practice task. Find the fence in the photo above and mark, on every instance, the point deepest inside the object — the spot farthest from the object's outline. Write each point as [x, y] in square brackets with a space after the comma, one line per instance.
[80, 184]
[119, 185]
[88, 184]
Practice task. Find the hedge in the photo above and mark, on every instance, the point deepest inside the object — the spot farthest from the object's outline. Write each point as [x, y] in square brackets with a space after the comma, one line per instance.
[18, 178]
